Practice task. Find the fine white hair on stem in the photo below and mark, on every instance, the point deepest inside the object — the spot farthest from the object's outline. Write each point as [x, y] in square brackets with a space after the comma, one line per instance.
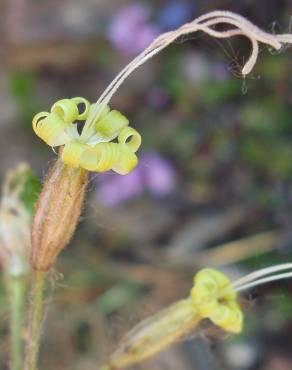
[263, 276]
[240, 26]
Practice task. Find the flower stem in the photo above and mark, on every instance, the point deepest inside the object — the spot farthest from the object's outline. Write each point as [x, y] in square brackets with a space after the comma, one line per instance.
[17, 287]
[36, 314]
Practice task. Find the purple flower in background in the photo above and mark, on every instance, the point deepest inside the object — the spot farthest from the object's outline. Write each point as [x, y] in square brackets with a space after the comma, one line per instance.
[159, 176]
[158, 98]
[116, 189]
[154, 174]
[130, 30]
[174, 13]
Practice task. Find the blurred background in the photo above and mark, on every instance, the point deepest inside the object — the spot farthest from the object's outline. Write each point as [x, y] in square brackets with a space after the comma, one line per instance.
[213, 186]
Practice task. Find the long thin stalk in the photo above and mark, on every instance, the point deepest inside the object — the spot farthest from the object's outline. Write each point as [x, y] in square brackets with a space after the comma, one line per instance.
[16, 286]
[36, 314]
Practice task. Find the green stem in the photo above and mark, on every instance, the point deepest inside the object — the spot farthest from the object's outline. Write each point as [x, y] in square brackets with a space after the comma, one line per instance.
[16, 287]
[36, 314]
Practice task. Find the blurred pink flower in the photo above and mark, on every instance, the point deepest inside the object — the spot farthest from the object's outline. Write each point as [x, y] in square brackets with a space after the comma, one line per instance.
[153, 173]
[130, 30]
[116, 189]
[159, 175]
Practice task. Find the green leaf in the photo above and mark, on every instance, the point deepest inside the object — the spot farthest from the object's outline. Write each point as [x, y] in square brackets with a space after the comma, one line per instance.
[30, 190]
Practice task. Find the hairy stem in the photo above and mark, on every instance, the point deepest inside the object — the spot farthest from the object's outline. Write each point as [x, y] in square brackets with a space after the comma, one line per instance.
[16, 286]
[36, 314]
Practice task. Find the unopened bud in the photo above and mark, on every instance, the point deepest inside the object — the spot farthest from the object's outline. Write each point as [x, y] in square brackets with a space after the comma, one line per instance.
[57, 213]
[19, 192]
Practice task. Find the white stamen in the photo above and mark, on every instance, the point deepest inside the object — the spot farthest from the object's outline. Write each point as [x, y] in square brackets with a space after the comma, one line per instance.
[261, 273]
[203, 23]
[265, 280]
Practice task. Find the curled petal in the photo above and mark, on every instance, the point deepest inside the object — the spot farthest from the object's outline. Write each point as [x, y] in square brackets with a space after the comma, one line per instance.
[72, 153]
[110, 125]
[229, 317]
[93, 151]
[37, 119]
[51, 128]
[205, 302]
[126, 162]
[67, 110]
[214, 298]
[108, 156]
[79, 100]
[99, 158]
[131, 138]
[104, 111]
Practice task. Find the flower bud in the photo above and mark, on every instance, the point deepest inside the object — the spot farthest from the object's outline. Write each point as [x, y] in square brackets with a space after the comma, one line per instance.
[57, 213]
[19, 192]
